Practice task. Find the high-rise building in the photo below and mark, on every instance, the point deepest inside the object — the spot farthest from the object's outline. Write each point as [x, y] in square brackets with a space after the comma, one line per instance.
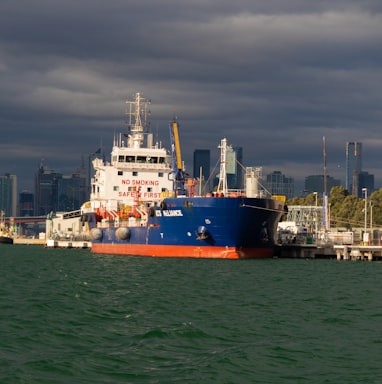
[235, 172]
[8, 194]
[26, 200]
[72, 192]
[279, 184]
[46, 191]
[55, 192]
[365, 180]
[202, 163]
[315, 183]
[353, 166]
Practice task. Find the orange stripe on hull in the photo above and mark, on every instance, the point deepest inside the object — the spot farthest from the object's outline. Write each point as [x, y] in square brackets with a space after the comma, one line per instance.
[182, 251]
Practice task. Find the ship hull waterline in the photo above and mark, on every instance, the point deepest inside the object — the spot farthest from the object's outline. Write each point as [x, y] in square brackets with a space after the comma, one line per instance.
[182, 251]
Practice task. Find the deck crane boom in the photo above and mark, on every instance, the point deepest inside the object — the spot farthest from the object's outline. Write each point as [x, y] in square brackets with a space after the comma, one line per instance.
[177, 165]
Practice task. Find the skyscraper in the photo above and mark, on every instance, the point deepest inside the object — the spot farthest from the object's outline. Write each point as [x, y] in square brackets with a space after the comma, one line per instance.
[26, 200]
[8, 194]
[235, 173]
[72, 192]
[202, 162]
[279, 184]
[46, 191]
[353, 166]
[315, 183]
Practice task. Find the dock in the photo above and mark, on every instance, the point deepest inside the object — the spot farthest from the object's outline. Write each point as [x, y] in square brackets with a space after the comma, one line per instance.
[350, 252]
[28, 241]
[305, 251]
[79, 244]
[50, 243]
[358, 252]
[329, 251]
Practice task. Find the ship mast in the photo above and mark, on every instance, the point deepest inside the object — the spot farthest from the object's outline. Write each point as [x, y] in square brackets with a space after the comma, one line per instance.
[222, 186]
[137, 122]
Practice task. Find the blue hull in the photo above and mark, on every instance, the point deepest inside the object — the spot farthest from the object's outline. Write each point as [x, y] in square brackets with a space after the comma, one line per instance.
[198, 227]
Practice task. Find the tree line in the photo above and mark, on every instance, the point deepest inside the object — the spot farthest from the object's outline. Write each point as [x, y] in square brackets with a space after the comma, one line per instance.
[346, 210]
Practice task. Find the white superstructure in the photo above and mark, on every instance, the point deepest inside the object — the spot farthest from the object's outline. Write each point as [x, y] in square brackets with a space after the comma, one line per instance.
[139, 170]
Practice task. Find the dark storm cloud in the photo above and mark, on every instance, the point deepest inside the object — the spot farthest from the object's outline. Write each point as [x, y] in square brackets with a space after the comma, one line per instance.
[274, 77]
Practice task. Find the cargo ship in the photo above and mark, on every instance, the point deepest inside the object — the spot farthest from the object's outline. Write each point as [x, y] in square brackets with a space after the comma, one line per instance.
[143, 204]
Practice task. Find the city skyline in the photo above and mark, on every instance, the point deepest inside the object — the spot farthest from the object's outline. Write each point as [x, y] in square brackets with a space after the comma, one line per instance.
[203, 156]
[57, 192]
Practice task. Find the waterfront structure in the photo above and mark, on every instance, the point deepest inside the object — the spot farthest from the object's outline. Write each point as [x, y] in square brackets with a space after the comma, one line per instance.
[8, 194]
[279, 184]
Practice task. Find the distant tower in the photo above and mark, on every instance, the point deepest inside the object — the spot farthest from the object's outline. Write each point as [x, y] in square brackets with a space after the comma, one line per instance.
[202, 162]
[8, 194]
[353, 165]
[26, 200]
[46, 191]
[235, 171]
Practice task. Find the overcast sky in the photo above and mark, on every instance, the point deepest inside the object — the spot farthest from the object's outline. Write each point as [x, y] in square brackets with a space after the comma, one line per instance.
[272, 76]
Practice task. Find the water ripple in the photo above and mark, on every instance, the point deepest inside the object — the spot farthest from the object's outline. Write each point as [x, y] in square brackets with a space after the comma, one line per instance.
[72, 317]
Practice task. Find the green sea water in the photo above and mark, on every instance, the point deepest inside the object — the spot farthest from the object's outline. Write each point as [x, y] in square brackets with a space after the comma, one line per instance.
[68, 316]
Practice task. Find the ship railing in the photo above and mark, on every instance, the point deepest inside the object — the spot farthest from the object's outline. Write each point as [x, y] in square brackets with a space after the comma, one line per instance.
[155, 166]
[235, 193]
[130, 222]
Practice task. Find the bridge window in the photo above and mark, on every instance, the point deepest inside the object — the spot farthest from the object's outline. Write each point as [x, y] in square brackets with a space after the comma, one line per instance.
[121, 159]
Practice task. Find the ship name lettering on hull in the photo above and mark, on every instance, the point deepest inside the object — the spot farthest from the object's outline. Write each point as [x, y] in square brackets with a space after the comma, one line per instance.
[169, 212]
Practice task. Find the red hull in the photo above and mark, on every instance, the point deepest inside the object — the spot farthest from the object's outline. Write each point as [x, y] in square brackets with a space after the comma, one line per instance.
[182, 251]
